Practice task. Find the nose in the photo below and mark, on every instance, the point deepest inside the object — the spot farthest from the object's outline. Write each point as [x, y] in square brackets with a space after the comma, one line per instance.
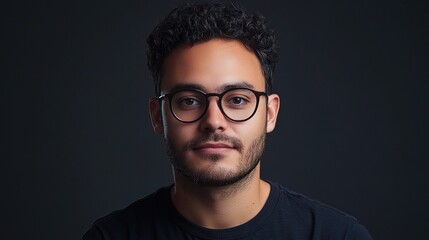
[213, 120]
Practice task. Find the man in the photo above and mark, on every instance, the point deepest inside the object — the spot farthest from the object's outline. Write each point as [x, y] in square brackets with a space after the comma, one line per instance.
[212, 65]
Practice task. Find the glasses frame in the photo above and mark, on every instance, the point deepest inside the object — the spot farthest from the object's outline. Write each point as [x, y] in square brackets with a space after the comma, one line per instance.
[169, 96]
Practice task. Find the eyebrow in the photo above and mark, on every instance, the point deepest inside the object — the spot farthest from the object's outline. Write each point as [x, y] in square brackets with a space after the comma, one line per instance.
[181, 86]
[242, 84]
[221, 88]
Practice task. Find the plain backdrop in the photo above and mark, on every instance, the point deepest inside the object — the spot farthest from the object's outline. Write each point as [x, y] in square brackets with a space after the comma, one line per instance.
[78, 143]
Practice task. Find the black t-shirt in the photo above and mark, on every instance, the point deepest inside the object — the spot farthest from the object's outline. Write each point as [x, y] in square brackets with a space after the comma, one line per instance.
[285, 215]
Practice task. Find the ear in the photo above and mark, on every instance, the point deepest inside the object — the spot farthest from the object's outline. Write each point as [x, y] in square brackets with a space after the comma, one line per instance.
[155, 115]
[272, 111]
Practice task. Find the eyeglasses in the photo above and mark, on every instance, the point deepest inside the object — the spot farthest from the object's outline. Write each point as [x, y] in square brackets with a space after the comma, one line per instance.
[190, 105]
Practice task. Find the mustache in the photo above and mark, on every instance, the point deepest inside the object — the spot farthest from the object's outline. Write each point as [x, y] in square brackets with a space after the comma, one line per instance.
[215, 137]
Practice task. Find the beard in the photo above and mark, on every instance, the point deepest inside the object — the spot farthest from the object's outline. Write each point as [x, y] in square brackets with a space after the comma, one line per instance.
[214, 175]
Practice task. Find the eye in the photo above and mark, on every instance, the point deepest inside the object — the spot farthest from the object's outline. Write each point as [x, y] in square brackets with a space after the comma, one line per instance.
[237, 101]
[189, 102]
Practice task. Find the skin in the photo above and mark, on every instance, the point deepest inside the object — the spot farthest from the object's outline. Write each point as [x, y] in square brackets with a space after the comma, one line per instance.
[216, 204]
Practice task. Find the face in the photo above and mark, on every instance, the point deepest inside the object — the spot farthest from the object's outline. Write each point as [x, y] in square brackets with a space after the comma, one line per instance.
[214, 150]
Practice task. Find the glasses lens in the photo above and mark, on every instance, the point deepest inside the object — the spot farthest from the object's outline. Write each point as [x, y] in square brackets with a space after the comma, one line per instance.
[188, 105]
[239, 104]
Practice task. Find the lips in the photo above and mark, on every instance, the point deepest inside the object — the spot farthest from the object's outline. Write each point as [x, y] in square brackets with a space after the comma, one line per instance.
[213, 145]
[216, 143]
[214, 148]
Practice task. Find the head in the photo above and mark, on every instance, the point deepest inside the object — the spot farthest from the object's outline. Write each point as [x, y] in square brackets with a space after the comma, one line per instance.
[211, 49]
[196, 23]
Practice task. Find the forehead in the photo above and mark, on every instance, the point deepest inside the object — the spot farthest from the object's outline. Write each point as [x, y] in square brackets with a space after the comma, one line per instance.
[213, 66]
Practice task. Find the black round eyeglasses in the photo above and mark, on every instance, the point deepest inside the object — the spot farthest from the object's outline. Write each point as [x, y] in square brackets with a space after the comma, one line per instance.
[190, 105]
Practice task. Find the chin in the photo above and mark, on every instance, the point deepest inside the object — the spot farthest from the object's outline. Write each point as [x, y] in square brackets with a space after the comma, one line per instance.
[216, 174]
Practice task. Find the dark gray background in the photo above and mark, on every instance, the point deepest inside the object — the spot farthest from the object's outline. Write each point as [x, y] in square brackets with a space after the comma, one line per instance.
[78, 144]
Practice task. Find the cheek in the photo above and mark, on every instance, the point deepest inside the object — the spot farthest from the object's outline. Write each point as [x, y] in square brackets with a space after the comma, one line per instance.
[252, 128]
[169, 122]
[259, 120]
[180, 133]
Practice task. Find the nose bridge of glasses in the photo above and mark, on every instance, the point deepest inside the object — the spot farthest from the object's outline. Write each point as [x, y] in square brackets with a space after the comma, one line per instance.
[209, 95]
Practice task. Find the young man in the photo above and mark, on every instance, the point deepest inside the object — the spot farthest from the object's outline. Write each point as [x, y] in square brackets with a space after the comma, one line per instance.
[212, 65]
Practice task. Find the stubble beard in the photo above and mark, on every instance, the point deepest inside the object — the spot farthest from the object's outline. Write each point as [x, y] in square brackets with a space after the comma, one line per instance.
[214, 176]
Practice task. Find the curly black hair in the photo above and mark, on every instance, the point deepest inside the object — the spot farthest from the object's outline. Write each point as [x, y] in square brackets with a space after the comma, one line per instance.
[196, 23]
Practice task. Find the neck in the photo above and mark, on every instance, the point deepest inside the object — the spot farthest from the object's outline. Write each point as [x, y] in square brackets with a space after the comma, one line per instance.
[220, 207]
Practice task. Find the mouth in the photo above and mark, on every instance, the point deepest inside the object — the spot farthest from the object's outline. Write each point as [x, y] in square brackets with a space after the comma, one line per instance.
[213, 148]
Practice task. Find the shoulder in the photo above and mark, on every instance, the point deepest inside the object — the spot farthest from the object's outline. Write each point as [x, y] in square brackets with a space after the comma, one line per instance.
[323, 220]
[140, 212]
[141, 207]
[302, 204]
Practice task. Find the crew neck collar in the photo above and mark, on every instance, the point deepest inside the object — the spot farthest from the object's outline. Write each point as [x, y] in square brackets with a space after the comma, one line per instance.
[240, 231]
